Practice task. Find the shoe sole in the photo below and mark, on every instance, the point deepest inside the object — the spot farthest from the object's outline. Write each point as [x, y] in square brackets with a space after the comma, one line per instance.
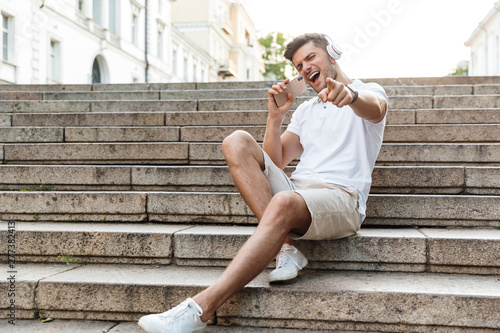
[201, 330]
[286, 278]
[141, 326]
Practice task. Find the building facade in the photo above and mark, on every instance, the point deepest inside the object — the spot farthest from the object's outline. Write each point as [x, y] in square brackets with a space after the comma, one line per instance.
[100, 41]
[223, 29]
[485, 45]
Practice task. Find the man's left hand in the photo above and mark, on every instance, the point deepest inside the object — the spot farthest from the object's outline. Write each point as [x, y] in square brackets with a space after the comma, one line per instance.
[336, 93]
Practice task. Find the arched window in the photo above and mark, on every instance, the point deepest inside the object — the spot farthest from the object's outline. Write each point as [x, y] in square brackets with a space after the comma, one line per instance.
[100, 70]
[96, 72]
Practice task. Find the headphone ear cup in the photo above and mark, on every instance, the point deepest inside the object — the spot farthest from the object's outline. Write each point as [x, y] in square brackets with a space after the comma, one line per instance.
[334, 51]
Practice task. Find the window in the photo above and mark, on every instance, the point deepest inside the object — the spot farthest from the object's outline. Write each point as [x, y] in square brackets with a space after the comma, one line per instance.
[195, 70]
[160, 43]
[186, 69]
[247, 38]
[497, 51]
[96, 11]
[96, 72]
[114, 14]
[174, 60]
[80, 6]
[54, 60]
[135, 27]
[6, 37]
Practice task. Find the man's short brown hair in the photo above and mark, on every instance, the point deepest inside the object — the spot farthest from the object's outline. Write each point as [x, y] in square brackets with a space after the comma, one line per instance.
[318, 40]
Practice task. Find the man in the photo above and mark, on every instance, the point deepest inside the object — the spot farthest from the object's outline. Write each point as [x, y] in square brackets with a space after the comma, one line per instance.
[339, 134]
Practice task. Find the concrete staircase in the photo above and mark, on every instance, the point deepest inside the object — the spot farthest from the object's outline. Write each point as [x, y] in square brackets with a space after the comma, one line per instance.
[121, 205]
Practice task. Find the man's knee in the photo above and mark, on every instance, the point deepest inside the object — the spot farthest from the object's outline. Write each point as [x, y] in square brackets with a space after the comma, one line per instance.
[289, 211]
[237, 138]
[239, 143]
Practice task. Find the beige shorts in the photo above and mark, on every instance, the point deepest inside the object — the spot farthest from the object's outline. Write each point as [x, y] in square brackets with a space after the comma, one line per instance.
[333, 208]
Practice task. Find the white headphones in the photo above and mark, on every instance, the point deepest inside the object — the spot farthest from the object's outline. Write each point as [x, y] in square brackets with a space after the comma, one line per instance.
[333, 49]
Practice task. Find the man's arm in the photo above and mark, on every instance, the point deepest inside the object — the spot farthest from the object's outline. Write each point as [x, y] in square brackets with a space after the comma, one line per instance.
[282, 149]
[369, 105]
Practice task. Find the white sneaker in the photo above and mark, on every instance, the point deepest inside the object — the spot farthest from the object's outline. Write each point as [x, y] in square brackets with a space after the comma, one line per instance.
[289, 262]
[184, 318]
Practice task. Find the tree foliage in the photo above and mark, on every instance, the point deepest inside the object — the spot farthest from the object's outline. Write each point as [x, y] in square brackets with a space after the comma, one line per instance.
[461, 70]
[276, 64]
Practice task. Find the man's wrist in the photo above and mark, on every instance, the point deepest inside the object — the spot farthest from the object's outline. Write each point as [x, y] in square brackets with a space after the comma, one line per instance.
[275, 119]
[354, 90]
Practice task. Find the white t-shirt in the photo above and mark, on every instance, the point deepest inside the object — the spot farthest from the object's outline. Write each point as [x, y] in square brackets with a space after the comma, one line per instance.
[339, 147]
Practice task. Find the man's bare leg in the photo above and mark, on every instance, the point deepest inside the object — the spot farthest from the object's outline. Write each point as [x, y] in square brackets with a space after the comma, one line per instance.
[278, 215]
[246, 164]
[286, 211]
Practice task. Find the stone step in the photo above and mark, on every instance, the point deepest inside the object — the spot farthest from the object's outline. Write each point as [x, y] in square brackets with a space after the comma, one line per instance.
[98, 153]
[46, 87]
[449, 133]
[148, 94]
[98, 87]
[394, 117]
[409, 250]
[486, 89]
[238, 93]
[31, 134]
[94, 326]
[74, 206]
[471, 251]
[100, 106]
[393, 133]
[343, 300]
[21, 96]
[480, 154]
[383, 209]
[230, 208]
[105, 96]
[439, 154]
[86, 119]
[456, 116]
[390, 154]
[70, 177]
[421, 180]
[397, 102]
[444, 80]
[92, 242]
[233, 118]
[433, 90]
[479, 101]
[442, 133]
[404, 81]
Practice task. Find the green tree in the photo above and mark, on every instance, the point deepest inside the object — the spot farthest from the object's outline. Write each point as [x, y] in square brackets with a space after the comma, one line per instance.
[277, 67]
[461, 70]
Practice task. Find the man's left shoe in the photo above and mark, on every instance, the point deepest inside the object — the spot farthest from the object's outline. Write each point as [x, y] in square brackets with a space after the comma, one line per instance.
[288, 263]
[184, 318]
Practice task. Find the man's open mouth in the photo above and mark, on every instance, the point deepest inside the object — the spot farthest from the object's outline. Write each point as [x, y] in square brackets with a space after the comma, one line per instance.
[314, 77]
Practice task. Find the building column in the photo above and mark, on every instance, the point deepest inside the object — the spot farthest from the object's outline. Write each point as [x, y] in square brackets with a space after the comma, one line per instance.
[87, 8]
[105, 13]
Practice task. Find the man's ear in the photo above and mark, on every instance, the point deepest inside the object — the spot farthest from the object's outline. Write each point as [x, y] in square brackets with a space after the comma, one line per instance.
[333, 61]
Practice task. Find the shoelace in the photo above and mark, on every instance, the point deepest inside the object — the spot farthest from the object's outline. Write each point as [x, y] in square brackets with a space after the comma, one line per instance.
[284, 256]
[180, 309]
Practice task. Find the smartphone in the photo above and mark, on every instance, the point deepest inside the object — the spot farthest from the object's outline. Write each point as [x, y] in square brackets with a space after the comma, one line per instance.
[295, 87]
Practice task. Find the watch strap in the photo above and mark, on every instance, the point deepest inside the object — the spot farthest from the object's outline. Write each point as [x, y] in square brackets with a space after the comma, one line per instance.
[355, 91]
